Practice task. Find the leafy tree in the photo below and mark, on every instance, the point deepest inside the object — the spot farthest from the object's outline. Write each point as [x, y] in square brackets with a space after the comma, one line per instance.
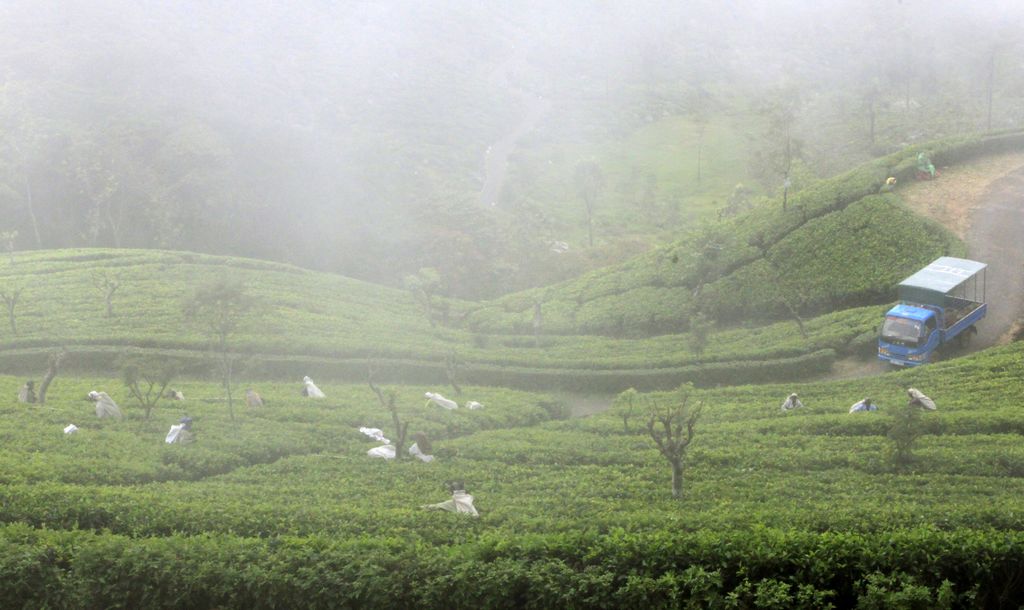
[423, 285]
[773, 155]
[218, 307]
[147, 379]
[672, 428]
[701, 327]
[589, 180]
[903, 433]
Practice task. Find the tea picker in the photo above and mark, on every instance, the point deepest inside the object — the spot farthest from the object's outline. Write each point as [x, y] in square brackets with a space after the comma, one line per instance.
[863, 405]
[461, 501]
[181, 433]
[105, 405]
[422, 449]
[441, 401]
[917, 399]
[310, 390]
[792, 402]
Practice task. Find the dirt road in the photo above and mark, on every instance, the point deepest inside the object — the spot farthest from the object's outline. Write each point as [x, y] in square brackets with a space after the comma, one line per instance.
[983, 203]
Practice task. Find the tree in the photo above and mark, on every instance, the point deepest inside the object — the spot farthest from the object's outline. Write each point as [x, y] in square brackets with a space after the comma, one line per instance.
[773, 156]
[903, 433]
[107, 285]
[53, 360]
[625, 403]
[218, 307]
[11, 297]
[147, 379]
[452, 365]
[672, 429]
[589, 180]
[387, 400]
[8, 238]
[423, 285]
[701, 327]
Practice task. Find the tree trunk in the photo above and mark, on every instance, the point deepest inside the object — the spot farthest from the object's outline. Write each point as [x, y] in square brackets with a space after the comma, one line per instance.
[677, 478]
[32, 211]
[54, 365]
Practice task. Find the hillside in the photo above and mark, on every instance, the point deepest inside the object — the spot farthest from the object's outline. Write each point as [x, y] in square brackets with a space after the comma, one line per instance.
[838, 244]
[773, 270]
[283, 503]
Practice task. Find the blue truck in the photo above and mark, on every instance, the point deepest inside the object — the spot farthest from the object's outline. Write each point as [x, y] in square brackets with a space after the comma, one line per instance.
[937, 305]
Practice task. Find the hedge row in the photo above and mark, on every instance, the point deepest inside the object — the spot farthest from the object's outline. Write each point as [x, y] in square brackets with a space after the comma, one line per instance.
[919, 568]
[100, 360]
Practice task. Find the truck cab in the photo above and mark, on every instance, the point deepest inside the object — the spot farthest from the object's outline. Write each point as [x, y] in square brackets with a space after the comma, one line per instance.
[938, 304]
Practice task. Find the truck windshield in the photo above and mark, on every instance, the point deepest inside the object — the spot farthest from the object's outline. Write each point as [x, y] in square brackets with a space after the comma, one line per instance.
[901, 330]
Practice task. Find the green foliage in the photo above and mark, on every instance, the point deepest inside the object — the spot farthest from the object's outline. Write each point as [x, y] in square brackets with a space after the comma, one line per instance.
[800, 510]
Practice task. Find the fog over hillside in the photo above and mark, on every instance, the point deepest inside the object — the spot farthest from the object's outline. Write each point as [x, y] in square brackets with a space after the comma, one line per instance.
[376, 139]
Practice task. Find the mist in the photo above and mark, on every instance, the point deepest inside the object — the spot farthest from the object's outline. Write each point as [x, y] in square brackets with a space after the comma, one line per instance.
[376, 139]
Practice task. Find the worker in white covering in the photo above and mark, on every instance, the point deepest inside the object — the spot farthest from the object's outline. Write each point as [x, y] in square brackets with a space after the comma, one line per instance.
[422, 449]
[792, 402]
[461, 501]
[863, 405]
[441, 401]
[252, 398]
[474, 405]
[181, 433]
[375, 433]
[384, 451]
[310, 390]
[105, 405]
[175, 394]
[917, 399]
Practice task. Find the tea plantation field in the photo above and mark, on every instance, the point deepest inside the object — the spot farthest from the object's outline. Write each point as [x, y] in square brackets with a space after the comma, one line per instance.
[283, 507]
[330, 327]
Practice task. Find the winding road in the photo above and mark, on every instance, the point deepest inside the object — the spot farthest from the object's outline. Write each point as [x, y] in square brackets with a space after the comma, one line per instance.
[497, 155]
[996, 236]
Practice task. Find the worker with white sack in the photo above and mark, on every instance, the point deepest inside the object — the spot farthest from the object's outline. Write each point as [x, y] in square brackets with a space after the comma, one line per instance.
[310, 390]
[375, 433]
[384, 451]
[180, 433]
[422, 449]
[863, 405]
[917, 399]
[473, 405]
[461, 501]
[105, 405]
[791, 402]
[441, 401]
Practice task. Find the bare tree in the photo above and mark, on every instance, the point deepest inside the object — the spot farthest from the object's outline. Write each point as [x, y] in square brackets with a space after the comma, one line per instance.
[11, 297]
[672, 429]
[54, 360]
[107, 285]
[452, 364]
[8, 238]
[387, 400]
[625, 402]
[589, 183]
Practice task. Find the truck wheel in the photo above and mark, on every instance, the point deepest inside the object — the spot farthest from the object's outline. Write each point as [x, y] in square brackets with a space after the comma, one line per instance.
[964, 339]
